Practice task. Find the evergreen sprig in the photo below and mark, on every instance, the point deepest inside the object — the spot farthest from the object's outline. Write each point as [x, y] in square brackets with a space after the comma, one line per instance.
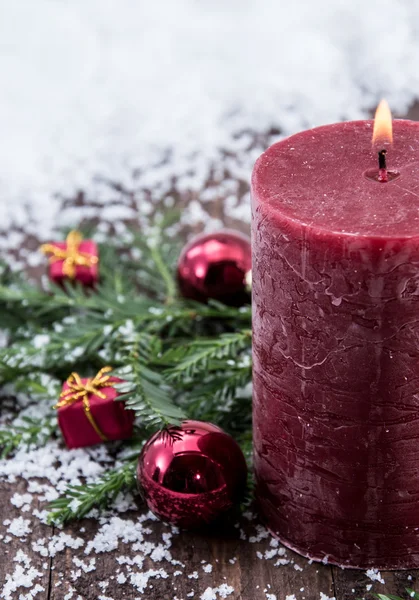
[79, 500]
[145, 390]
[30, 432]
[199, 355]
[178, 359]
[411, 594]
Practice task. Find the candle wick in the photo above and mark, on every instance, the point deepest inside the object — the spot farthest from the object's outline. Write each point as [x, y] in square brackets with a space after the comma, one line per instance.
[382, 163]
[382, 166]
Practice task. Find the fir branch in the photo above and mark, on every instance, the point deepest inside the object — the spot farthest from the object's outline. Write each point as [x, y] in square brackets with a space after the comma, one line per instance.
[194, 357]
[224, 388]
[55, 350]
[30, 432]
[31, 305]
[71, 342]
[233, 415]
[410, 592]
[79, 500]
[34, 305]
[144, 389]
[217, 389]
[391, 597]
[17, 360]
[167, 277]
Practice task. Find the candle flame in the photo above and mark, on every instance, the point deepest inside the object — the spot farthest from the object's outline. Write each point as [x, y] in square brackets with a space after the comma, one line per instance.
[383, 126]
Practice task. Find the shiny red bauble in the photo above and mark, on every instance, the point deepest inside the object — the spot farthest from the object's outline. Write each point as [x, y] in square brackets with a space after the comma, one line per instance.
[215, 266]
[192, 474]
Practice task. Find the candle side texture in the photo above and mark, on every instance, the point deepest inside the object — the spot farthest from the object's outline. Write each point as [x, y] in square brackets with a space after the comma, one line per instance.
[336, 346]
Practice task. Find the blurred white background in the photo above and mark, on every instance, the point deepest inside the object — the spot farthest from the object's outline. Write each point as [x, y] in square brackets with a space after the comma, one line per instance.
[100, 87]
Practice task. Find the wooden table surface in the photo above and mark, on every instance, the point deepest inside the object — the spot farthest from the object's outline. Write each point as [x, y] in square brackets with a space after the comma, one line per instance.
[242, 557]
[234, 562]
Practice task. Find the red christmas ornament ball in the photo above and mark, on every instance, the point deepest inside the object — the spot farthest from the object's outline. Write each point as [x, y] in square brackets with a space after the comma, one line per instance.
[215, 266]
[190, 475]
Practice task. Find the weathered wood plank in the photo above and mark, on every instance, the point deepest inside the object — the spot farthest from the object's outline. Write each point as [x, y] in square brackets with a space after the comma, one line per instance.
[19, 563]
[352, 584]
[203, 560]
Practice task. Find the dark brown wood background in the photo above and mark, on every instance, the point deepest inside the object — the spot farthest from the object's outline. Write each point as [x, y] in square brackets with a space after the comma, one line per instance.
[235, 561]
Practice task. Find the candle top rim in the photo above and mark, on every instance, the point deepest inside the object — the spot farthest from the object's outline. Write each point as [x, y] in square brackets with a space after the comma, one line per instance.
[317, 179]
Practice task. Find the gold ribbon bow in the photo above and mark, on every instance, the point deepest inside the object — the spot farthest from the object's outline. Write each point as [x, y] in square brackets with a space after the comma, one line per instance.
[77, 390]
[71, 255]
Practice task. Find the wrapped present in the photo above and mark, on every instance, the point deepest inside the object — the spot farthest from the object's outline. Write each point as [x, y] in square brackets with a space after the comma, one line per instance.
[87, 413]
[74, 259]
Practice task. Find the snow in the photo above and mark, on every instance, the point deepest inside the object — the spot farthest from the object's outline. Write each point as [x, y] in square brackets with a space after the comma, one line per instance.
[222, 591]
[40, 340]
[86, 567]
[140, 580]
[374, 575]
[139, 93]
[23, 576]
[19, 527]
[19, 500]
[62, 540]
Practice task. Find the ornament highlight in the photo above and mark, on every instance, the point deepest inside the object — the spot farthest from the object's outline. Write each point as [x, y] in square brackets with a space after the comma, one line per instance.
[215, 266]
[192, 474]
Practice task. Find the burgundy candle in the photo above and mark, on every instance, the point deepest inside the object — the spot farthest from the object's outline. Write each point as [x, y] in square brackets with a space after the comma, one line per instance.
[336, 344]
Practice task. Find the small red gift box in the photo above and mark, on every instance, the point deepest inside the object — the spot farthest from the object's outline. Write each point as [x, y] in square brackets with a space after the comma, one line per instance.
[88, 414]
[74, 259]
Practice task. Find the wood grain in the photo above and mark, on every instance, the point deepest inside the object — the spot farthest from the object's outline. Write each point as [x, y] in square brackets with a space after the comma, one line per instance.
[8, 550]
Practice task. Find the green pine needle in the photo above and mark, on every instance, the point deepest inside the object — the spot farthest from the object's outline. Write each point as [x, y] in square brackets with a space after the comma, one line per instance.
[79, 500]
[144, 389]
[31, 432]
[411, 594]
[166, 275]
[196, 356]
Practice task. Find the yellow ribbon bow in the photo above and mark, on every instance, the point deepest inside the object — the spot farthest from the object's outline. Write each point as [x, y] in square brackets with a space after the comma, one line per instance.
[71, 255]
[77, 390]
